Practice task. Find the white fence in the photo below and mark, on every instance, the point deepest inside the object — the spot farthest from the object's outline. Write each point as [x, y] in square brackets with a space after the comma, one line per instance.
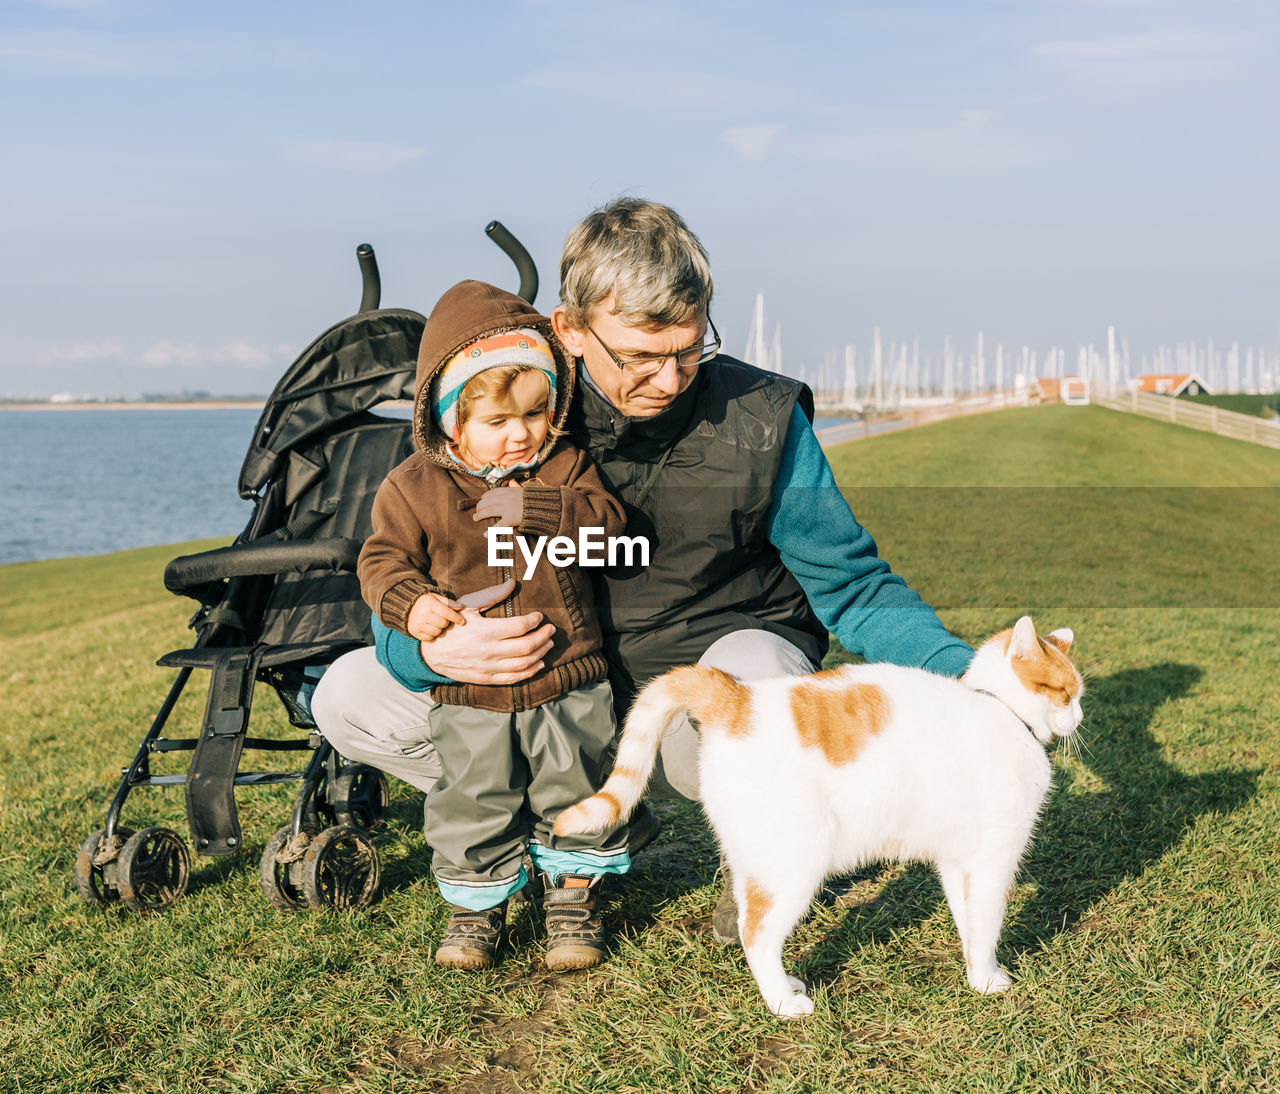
[1226, 423]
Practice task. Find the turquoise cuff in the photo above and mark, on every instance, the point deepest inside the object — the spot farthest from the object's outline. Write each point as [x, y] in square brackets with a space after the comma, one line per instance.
[401, 656]
[480, 896]
[951, 660]
[586, 863]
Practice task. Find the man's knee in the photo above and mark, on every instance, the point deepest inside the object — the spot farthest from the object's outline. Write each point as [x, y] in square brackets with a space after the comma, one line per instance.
[357, 698]
[370, 718]
[744, 655]
[756, 655]
[331, 700]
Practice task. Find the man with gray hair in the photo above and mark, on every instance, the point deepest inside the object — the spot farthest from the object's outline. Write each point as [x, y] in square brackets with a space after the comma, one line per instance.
[754, 554]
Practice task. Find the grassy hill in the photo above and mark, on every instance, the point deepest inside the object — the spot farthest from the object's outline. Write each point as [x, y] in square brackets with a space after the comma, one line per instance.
[1071, 507]
[1262, 406]
[1142, 933]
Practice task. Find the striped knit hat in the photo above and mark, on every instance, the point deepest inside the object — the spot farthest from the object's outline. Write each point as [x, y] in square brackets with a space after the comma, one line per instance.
[522, 346]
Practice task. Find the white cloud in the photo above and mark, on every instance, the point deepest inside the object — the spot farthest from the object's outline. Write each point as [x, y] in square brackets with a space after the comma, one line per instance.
[162, 353]
[975, 119]
[673, 89]
[974, 141]
[252, 355]
[59, 54]
[1147, 65]
[50, 53]
[79, 352]
[752, 142]
[361, 157]
[101, 9]
[159, 353]
[241, 352]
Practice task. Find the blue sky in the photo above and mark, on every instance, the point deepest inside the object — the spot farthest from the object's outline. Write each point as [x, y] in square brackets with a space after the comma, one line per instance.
[185, 183]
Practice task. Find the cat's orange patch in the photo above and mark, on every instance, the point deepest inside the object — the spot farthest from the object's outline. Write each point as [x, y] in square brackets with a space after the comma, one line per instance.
[755, 908]
[1048, 672]
[628, 773]
[615, 806]
[712, 697]
[1051, 673]
[838, 720]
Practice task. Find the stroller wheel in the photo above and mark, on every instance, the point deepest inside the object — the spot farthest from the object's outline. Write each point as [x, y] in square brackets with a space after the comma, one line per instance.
[153, 870]
[281, 867]
[95, 866]
[360, 796]
[340, 869]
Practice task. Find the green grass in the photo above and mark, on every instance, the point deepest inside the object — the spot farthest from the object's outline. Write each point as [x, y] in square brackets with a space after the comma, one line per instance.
[1143, 932]
[1261, 406]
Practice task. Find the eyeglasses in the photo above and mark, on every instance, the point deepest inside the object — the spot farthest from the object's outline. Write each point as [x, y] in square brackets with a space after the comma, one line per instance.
[639, 367]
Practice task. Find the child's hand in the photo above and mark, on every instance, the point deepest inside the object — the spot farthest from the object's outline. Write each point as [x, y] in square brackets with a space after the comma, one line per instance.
[504, 502]
[432, 615]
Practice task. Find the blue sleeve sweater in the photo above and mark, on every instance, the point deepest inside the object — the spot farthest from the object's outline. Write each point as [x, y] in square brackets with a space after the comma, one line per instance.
[868, 607]
[851, 589]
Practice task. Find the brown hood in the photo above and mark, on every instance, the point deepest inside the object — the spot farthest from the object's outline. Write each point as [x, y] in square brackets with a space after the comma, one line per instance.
[471, 310]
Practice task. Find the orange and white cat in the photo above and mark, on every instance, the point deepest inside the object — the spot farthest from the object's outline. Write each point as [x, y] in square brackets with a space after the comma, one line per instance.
[808, 776]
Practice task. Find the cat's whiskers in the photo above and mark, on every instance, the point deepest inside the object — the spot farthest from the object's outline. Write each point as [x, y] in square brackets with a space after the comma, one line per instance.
[1082, 746]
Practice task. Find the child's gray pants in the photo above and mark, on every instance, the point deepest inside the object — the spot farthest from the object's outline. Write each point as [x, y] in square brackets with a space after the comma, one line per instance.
[504, 780]
[371, 718]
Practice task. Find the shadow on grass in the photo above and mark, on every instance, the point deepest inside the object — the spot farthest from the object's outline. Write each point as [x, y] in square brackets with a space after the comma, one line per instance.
[209, 872]
[405, 815]
[1085, 844]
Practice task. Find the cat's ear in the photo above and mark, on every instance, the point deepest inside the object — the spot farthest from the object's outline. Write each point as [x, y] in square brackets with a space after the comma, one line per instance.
[1062, 638]
[1024, 642]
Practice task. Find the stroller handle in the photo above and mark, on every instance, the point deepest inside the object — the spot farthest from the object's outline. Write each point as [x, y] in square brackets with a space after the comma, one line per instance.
[515, 250]
[372, 283]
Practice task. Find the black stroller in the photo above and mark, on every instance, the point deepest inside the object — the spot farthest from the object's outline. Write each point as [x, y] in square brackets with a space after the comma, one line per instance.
[278, 606]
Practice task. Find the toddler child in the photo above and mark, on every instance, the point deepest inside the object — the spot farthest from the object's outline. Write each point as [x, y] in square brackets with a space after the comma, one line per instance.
[493, 392]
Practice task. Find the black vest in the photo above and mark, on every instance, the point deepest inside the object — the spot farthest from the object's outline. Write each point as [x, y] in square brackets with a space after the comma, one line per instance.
[697, 480]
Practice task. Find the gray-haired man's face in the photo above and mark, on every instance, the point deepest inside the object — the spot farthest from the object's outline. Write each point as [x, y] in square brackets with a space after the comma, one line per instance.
[635, 398]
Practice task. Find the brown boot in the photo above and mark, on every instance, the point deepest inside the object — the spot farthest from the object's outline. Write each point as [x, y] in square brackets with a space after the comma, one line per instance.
[575, 935]
[471, 939]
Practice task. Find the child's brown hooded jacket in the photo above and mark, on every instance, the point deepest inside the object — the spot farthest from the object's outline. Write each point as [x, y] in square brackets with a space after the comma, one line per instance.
[424, 539]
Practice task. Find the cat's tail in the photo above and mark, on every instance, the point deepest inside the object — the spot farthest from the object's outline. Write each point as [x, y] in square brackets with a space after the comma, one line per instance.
[708, 694]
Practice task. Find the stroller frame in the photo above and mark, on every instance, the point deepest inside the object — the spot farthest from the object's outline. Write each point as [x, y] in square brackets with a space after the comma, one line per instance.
[324, 858]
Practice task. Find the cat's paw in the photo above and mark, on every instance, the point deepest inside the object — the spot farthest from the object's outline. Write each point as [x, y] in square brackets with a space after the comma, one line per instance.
[793, 1006]
[990, 983]
[798, 986]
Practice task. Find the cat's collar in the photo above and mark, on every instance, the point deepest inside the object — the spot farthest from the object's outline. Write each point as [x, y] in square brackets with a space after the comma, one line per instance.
[984, 691]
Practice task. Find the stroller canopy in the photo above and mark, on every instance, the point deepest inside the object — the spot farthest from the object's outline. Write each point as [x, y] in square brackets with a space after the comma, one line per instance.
[368, 359]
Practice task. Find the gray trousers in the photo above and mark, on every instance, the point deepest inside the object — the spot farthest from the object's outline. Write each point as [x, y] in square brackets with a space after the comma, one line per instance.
[370, 718]
[506, 777]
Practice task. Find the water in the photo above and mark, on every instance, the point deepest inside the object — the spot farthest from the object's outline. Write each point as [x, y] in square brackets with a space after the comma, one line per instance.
[80, 482]
[819, 424]
[83, 482]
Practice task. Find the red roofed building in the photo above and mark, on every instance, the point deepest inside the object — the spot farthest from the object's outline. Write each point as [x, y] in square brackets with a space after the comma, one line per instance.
[1181, 383]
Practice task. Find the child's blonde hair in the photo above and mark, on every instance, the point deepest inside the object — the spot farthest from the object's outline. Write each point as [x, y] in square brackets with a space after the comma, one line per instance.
[496, 383]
